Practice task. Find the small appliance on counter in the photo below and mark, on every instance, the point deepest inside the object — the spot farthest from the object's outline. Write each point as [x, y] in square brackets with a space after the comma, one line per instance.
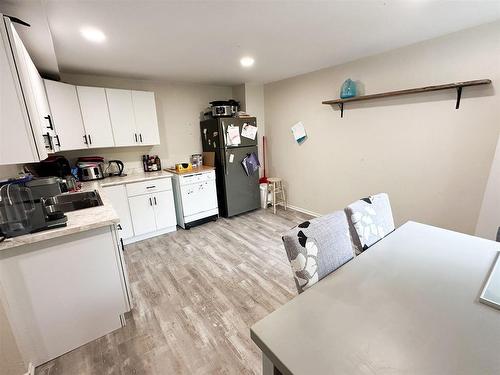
[151, 163]
[183, 167]
[23, 210]
[90, 168]
[115, 168]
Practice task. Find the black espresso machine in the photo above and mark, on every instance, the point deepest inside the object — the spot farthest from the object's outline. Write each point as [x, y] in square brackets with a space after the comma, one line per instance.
[22, 206]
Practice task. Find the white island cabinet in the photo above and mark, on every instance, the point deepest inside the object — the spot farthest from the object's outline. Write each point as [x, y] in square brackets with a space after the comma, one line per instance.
[64, 292]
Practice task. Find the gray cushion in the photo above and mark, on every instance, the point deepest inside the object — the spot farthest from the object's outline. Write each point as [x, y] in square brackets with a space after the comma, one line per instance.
[370, 219]
[318, 247]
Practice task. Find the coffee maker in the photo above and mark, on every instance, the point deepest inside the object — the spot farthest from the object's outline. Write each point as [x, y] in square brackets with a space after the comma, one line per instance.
[22, 207]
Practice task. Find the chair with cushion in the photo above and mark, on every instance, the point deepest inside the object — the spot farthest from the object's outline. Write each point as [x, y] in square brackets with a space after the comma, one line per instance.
[318, 247]
[370, 220]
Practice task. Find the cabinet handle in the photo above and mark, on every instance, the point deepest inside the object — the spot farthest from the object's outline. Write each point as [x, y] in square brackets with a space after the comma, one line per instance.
[58, 141]
[140, 136]
[135, 135]
[150, 187]
[51, 126]
[49, 138]
[85, 139]
[155, 201]
[90, 139]
[150, 202]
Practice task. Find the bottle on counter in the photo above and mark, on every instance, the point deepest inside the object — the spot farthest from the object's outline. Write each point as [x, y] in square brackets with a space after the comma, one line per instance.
[144, 163]
[158, 162]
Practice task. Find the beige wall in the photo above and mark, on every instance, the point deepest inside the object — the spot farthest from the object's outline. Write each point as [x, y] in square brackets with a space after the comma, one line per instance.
[489, 217]
[433, 160]
[178, 105]
[251, 98]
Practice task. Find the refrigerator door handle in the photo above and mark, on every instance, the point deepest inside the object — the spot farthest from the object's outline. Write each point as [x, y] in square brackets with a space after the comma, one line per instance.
[225, 161]
[224, 134]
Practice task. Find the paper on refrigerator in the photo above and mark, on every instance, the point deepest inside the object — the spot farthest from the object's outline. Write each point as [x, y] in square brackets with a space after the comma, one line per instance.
[233, 135]
[299, 132]
[249, 131]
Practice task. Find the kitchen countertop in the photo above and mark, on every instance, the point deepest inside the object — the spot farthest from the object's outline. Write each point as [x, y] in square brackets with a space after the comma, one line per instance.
[133, 177]
[203, 168]
[88, 218]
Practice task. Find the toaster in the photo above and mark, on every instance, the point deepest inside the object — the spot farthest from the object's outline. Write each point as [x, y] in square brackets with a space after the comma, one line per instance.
[90, 171]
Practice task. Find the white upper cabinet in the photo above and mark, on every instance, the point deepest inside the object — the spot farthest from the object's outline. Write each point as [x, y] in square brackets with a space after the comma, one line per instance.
[94, 109]
[20, 142]
[145, 117]
[66, 115]
[121, 112]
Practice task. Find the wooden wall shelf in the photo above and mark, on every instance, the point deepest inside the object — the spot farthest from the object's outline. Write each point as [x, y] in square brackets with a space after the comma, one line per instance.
[457, 85]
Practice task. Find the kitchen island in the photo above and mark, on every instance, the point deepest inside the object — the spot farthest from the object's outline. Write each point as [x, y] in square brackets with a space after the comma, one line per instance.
[64, 287]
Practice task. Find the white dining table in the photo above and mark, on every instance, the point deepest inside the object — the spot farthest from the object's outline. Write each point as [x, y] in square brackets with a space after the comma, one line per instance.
[408, 305]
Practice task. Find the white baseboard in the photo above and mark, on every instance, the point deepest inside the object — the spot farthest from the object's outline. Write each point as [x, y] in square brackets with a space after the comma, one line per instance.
[149, 235]
[304, 211]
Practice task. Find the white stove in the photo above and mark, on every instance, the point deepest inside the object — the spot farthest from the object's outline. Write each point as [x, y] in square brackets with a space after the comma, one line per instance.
[195, 198]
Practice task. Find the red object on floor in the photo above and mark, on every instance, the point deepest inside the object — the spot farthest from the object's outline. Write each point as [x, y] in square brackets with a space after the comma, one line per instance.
[263, 179]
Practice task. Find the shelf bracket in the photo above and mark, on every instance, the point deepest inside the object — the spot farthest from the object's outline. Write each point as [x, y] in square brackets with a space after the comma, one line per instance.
[459, 96]
[341, 106]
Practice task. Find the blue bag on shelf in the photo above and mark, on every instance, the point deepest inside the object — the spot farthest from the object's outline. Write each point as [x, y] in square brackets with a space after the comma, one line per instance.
[348, 89]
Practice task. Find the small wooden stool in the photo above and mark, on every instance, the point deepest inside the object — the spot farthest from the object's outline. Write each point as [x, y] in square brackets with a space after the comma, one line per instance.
[275, 186]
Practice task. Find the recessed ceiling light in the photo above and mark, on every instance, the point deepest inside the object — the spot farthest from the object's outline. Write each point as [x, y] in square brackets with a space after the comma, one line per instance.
[247, 61]
[92, 34]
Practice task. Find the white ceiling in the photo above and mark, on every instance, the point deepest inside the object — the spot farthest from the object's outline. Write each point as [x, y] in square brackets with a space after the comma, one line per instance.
[203, 41]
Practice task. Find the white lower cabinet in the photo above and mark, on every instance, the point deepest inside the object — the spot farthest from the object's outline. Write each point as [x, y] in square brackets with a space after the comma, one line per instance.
[64, 292]
[164, 209]
[143, 215]
[146, 209]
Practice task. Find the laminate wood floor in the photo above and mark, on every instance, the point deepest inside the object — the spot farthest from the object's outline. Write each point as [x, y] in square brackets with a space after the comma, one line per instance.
[196, 295]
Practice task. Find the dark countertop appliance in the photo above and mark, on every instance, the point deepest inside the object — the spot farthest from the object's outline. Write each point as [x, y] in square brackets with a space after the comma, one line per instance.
[237, 192]
[23, 210]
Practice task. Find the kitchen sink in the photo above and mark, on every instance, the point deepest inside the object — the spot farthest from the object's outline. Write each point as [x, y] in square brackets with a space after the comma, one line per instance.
[73, 201]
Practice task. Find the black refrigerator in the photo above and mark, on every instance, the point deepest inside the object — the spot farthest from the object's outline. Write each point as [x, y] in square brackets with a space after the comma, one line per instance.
[237, 192]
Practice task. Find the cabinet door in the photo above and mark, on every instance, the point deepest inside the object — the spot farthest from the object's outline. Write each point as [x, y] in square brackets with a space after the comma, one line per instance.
[146, 121]
[46, 125]
[118, 197]
[121, 113]
[16, 139]
[164, 208]
[142, 212]
[94, 108]
[66, 115]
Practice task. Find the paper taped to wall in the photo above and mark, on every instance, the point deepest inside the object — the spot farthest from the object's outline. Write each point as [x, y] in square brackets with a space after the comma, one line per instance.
[299, 132]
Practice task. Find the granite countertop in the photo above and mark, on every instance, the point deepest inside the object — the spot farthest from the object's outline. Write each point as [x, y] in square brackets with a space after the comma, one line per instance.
[134, 177]
[89, 218]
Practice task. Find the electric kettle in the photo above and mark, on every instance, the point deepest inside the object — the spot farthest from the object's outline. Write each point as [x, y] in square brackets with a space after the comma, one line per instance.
[115, 168]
